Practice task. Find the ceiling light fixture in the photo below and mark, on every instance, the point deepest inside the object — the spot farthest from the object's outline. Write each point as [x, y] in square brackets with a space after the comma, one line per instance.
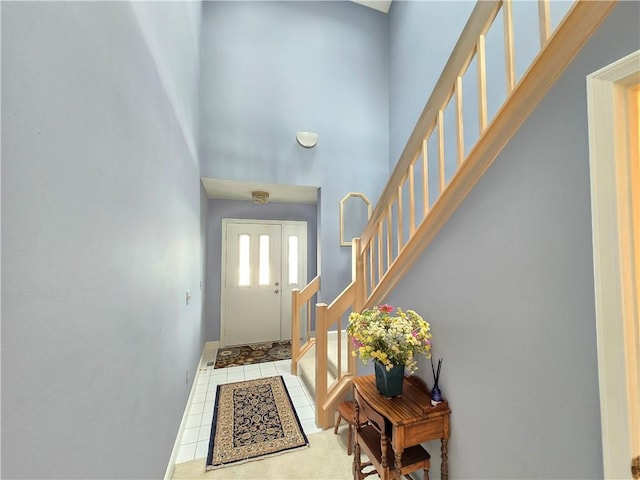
[259, 197]
[307, 139]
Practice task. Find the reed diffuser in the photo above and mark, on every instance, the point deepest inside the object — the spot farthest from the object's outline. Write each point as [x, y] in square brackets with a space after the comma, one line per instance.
[436, 396]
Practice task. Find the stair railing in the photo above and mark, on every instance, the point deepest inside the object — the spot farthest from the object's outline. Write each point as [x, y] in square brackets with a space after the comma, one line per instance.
[394, 237]
[301, 302]
[332, 318]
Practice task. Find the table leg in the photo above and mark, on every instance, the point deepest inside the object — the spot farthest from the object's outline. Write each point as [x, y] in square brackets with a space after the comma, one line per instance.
[398, 457]
[356, 462]
[444, 468]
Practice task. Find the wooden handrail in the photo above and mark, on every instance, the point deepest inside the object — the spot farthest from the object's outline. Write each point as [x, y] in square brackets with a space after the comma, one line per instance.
[373, 281]
[329, 318]
[557, 51]
[309, 290]
[479, 21]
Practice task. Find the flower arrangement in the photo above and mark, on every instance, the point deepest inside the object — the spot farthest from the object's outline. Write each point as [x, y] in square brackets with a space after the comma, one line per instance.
[392, 338]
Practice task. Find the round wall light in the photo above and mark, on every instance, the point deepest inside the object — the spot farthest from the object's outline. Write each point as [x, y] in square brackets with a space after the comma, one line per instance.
[307, 139]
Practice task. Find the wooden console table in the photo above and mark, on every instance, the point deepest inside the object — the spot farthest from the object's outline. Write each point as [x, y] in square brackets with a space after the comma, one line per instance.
[412, 418]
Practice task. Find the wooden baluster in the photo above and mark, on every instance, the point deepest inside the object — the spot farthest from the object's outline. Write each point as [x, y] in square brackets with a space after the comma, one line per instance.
[308, 320]
[359, 294]
[400, 214]
[365, 274]
[358, 276]
[372, 284]
[412, 202]
[482, 85]
[389, 230]
[295, 330]
[459, 117]
[425, 178]
[545, 21]
[339, 352]
[443, 181]
[380, 270]
[374, 256]
[507, 15]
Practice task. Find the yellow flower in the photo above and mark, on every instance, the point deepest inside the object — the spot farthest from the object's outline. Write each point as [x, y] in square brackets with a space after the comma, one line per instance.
[393, 338]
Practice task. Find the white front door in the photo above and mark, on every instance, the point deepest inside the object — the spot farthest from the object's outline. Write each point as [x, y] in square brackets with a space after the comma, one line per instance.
[262, 263]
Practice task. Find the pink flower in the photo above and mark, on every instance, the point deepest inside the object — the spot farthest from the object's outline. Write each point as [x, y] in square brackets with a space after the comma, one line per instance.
[385, 308]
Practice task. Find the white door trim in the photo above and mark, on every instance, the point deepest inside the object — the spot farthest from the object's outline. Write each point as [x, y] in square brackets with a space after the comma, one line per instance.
[614, 286]
[223, 269]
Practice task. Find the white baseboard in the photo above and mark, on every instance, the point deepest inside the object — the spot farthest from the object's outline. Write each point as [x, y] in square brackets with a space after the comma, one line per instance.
[208, 355]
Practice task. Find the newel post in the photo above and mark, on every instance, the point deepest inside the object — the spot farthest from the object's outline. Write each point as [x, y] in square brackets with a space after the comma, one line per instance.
[321, 362]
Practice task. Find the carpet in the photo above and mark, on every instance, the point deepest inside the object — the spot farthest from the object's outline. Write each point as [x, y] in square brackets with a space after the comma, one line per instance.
[253, 353]
[253, 419]
[325, 459]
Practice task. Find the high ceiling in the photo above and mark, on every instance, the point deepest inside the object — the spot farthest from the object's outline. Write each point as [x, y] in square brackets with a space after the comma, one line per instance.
[381, 5]
[231, 190]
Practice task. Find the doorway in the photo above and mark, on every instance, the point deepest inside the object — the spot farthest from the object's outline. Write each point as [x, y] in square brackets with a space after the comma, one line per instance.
[262, 261]
[614, 149]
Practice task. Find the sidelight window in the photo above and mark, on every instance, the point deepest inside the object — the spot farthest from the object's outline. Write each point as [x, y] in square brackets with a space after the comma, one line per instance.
[244, 265]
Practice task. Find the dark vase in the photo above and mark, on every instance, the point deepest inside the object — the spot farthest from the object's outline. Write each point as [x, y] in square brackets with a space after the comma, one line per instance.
[389, 382]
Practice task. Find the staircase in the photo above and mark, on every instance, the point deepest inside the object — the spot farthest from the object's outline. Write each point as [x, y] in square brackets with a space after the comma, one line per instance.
[406, 218]
[307, 365]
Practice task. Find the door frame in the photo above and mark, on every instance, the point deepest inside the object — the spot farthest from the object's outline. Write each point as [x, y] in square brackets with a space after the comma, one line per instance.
[223, 263]
[613, 169]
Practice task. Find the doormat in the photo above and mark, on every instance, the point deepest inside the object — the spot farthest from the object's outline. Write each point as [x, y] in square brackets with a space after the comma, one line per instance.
[251, 420]
[238, 355]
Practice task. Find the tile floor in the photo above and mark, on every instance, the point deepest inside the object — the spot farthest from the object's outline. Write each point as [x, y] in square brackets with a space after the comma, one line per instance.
[195, 439]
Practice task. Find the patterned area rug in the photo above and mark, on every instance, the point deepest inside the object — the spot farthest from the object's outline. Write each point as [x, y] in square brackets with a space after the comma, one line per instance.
[251, 420]
[252, 353]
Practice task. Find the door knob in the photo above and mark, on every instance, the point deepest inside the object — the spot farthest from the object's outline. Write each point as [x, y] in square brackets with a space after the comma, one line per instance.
[277, 291]
[277, 283]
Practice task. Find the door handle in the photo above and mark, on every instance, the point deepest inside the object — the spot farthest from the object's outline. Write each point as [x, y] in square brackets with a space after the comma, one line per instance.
[277, 283]
[277, 291]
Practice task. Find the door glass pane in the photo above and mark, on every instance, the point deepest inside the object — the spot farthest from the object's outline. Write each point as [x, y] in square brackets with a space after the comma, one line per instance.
[244, 268]
[292, 260]
[263, 272]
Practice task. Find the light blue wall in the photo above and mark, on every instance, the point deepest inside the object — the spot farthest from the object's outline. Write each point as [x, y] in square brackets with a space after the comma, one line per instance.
[101, 238]
[507, 286]
[171, 31]
[104, 221]
[270, 69]
[421, 38]
[219, 209]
